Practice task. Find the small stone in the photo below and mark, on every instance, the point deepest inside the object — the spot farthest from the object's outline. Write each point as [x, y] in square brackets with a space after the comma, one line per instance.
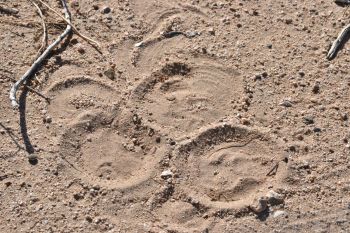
[280, 213]
[316, 88]
[245, 121]
[269, 46]
[274, 198]
[74, 41]
[308, 120]
[257, 77]
[289, 21]
[192, 34]
[286, 103]
[80, 48]
[47, 119]
[166, 174]
[106, 10]
[33, 159]
[317, 130]
[110, 73]
[211, 31]
[344, 116]
[78, 196]
[171, 98]
[140, 44]
[158, 139]
[261, 207]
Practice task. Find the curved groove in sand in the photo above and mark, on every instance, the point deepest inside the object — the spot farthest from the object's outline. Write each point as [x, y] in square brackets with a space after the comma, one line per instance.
[181, 96]
[228, 164]
[78, 94]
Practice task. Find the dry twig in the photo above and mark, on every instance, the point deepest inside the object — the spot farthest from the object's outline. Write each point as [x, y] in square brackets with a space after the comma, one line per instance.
[34, 91]
[89, 40]
[341, 39]
[45, 36]
[40, 59]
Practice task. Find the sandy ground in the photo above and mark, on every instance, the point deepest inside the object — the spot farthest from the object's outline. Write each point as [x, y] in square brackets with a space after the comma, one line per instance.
[180, 133]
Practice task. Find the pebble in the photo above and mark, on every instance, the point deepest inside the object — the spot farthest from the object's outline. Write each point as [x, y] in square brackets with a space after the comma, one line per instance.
[308, 120]
[80, 48]
[280, 213]
[261, 207]
[289, 21]
[286, 103]
[316, 88]
[275, 198]
[166, 174]
[106, 10]
[211, 31]
[317, 130]
[110, 73]
[47, 119]
[32, 159]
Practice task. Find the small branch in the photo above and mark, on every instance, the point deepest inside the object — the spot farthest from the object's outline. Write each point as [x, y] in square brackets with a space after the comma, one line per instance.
[34, 91]
[341, 39]
[45, 36]
[75, 30]
[273, 170]
[40, 59]
[38, 93]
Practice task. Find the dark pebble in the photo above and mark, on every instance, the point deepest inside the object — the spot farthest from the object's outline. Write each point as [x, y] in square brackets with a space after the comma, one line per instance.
[308, 120]
[106, 10]
[316, 88]
[317, 130]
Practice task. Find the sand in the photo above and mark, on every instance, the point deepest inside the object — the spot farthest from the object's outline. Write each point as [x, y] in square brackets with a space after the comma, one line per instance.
[198, 116]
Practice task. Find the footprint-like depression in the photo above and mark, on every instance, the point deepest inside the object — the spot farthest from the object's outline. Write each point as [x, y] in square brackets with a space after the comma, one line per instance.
[225, 166]
[101, 150]
[181, 97]
[78, 94]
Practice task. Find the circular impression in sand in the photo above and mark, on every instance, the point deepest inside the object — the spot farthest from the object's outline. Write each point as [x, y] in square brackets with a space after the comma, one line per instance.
[78, 94]
[225, 166]
[182, 97]
[100, 151]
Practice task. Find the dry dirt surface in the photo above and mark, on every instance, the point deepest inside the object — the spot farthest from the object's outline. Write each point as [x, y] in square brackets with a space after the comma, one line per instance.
[225, 117]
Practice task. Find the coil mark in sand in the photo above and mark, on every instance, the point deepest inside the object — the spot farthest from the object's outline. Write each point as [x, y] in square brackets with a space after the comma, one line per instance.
[180, 98]
[227, 164]
[79, 94]
[99, 152]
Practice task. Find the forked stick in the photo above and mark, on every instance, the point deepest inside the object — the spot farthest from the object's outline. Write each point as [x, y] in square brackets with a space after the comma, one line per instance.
[40, 59]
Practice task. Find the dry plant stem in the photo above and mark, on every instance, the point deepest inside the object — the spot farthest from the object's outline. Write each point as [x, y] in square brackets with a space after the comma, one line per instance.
[40, 59]
[340, 40]
[34, 91]
[91, 41]
[45, 36]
